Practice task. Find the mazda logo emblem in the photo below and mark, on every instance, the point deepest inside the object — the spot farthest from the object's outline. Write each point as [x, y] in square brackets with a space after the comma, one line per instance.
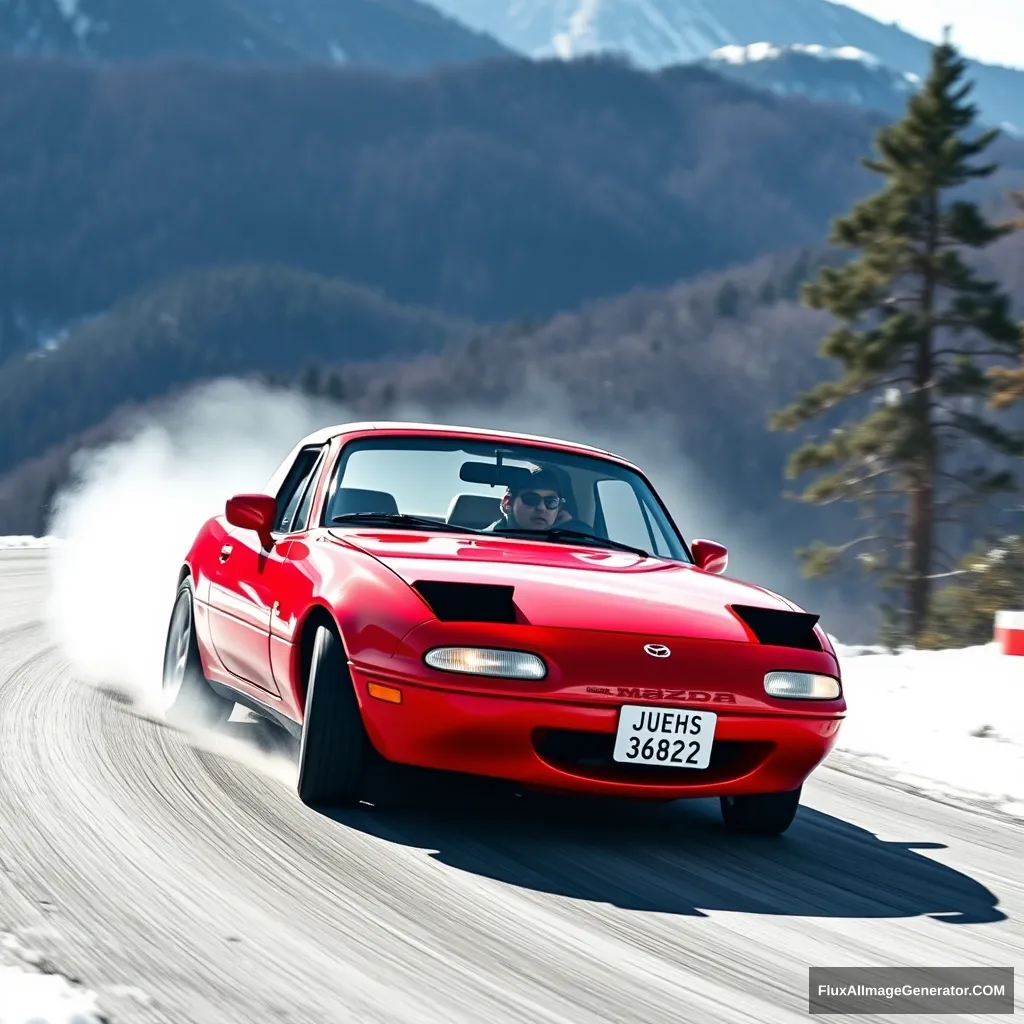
[657, 650]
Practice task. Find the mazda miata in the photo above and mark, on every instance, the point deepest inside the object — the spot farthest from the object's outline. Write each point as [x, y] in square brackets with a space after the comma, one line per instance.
[502, 605]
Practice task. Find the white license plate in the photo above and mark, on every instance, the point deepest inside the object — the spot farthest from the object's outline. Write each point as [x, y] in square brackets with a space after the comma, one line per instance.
[673, 737]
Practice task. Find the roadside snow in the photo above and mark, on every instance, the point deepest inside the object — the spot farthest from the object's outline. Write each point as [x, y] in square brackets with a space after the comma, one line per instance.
[27, 997]
[26, 542]
[947, 722]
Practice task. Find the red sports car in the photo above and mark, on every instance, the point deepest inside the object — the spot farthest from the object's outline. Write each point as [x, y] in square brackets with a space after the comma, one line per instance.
[502, 605]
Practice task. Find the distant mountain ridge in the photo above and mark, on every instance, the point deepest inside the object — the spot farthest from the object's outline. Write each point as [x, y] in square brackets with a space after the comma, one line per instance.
[841, 75]
[400, 35]
[659, 33]
[493, 190]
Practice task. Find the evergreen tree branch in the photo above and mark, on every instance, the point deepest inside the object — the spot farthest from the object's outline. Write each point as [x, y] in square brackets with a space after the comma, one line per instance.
[942, 353]
[827, 395]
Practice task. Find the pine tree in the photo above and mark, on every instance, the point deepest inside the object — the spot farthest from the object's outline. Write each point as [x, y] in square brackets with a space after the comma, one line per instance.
[795, 276]
[990, 578]
[310, 378]
[1009, 380]
[727, 300]
[335, 387]
[916, 329]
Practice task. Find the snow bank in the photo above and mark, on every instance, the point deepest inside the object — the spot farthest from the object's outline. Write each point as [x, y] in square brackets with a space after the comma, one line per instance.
[26, 542]
[948, 722]
[27, 997]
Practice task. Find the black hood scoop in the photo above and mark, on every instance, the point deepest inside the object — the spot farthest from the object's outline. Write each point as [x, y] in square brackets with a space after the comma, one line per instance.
[468, 602]
[780, 628]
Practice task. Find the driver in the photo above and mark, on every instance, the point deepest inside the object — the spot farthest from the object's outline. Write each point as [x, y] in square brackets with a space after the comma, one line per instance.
[537, 504]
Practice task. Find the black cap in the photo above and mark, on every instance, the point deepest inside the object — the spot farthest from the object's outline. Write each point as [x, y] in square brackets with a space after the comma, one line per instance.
[538, 479]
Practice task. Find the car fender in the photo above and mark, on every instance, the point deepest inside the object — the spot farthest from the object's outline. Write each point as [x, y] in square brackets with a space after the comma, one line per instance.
[372, 608]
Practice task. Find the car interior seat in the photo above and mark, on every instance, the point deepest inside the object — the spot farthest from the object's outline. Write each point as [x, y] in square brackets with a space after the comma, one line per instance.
[475, 511]
[351, 500]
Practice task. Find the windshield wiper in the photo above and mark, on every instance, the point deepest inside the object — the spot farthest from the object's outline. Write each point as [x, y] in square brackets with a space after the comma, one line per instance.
[558, 533]
[397, 519]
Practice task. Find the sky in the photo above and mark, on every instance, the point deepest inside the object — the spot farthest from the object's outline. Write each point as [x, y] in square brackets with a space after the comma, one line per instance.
[991, 31]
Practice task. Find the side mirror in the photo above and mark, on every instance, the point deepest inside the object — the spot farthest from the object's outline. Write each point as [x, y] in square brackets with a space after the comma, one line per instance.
[253, 512]
[710, 556]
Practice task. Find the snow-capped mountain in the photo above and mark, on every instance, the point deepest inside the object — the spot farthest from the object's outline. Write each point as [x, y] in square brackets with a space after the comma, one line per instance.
[658, 33]
[402, 35]
[833, 75]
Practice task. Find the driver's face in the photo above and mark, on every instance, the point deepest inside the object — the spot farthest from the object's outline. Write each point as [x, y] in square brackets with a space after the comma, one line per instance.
[530, 511]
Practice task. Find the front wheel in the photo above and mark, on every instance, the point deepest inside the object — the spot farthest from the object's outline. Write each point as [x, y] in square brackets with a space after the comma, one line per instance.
[187, 698]
[760, 814]
[335, 756]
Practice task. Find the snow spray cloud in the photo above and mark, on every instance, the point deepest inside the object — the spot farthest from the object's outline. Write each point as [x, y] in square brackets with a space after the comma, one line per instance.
[135, 505]
[133, 509]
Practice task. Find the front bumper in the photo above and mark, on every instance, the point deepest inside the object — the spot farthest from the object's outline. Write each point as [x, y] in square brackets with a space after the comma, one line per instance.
[567, 745]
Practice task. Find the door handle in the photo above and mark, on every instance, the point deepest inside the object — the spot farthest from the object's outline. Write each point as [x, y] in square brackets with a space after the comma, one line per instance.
[225, 552]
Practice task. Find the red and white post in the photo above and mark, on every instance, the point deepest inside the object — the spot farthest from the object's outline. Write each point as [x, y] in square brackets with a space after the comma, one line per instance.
[1009, 632]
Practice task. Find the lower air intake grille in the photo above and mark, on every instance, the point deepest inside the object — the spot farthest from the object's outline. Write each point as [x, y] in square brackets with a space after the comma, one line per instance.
[589, 754]
[779, 628]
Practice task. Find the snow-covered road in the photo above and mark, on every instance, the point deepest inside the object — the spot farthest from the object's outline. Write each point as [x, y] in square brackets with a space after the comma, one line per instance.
[181, 881]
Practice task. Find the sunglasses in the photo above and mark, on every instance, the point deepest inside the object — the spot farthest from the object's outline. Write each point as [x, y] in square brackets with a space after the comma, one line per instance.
[532, 499]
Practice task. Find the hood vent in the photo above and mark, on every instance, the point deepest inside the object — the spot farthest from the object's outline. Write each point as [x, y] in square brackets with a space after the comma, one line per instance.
[780, 629]
[468, 602]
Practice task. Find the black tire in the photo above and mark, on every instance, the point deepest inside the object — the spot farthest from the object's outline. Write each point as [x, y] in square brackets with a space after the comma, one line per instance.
[760, 814]
[187, 698]
[335, 755]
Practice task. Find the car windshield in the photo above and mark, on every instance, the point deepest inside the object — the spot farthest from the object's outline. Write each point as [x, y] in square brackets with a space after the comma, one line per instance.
[519, 490]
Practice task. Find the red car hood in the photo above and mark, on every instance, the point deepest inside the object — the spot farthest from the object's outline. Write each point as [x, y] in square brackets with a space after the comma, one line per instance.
[562, 586]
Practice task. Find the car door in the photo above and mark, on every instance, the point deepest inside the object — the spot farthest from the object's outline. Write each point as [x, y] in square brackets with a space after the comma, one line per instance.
[296, 569]
[242, 593]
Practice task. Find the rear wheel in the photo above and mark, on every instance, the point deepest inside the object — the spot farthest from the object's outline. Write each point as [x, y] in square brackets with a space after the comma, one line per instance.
[187, 698]
[335, 756]
[761, 814]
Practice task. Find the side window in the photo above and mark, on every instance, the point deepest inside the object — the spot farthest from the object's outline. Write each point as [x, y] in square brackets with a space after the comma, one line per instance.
[627, 520]
[294, 488]
[301, 521]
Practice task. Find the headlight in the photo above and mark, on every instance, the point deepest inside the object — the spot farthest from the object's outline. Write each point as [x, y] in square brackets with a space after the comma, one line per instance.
[484, 661]
[802, 686]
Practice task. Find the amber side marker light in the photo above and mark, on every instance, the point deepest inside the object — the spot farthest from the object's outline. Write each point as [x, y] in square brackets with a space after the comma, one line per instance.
[388, 693]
